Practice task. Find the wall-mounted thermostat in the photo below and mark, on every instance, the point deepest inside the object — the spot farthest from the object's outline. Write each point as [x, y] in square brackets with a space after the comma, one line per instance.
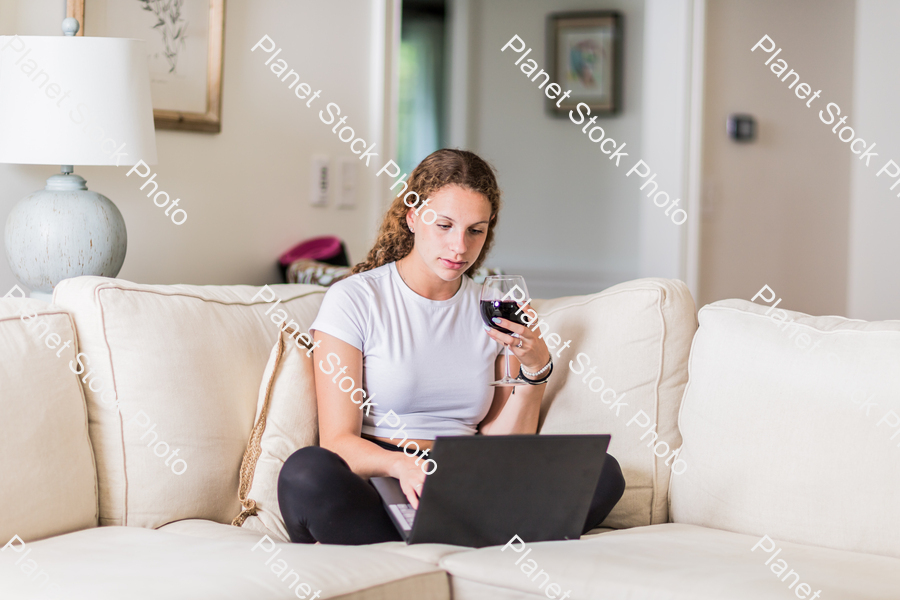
[741, 128]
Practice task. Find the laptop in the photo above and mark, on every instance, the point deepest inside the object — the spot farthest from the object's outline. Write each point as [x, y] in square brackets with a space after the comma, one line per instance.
[488, 488]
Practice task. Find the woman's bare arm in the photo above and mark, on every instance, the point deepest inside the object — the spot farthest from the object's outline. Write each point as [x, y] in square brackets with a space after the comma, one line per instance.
[516, 413]
[340, 420]
[513, 413]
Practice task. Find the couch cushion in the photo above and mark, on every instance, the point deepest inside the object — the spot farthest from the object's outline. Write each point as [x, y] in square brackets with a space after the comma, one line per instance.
[428, 553]
[185, 364]
[286, 420]
[792, 429]
[211, 530]
[624, 373]
[112, 563]
[48, 484]
[672, 562]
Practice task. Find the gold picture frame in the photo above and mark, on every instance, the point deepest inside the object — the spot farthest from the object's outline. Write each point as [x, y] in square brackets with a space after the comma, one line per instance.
[210, 120]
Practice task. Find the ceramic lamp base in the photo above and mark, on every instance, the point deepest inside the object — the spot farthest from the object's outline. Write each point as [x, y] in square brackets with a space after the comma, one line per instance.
[64, 231]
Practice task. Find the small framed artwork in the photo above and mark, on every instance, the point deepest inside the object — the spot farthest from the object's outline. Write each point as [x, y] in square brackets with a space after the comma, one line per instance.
[585, 56]
[184, 43]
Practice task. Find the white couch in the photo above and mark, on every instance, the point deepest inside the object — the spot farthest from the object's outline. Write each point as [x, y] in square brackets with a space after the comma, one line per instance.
[784, 450]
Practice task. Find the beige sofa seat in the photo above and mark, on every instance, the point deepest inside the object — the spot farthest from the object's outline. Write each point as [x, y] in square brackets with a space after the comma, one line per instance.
[211, 530]
[192, 358]
[112, 563]
[671, 562]
[428, 553]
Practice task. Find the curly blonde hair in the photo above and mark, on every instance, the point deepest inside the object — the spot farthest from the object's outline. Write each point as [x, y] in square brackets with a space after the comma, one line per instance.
[438, 169]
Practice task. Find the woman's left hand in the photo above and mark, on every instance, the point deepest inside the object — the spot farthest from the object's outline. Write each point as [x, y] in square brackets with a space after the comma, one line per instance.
[530, 349]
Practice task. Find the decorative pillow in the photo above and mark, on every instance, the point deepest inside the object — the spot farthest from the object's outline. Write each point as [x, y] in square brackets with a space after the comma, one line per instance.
[791, 425]
[482, 272]
[620, 367]
[286, 420]
[305, 270]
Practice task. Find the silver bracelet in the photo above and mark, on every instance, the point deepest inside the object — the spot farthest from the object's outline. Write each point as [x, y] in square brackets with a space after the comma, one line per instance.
[536, 373]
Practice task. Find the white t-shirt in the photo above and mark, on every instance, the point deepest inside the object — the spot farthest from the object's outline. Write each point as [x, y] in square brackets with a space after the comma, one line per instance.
[430, 361]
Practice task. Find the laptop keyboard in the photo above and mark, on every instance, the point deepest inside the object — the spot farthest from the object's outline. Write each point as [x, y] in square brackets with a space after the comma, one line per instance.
[405, 515]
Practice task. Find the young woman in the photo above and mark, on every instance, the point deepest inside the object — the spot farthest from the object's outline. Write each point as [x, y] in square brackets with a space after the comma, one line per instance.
[407, 324]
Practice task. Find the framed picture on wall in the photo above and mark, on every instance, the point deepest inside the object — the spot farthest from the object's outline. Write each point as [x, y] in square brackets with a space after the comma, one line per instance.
[585, 55]
[184, 43]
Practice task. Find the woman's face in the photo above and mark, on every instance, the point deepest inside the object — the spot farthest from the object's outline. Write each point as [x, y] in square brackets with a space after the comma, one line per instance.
[450, 230]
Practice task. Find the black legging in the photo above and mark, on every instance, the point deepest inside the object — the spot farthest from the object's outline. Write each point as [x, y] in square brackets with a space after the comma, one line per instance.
[322, 500]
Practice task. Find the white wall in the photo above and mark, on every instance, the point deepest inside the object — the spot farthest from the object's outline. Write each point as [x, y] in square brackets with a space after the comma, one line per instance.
[777, 209]
[874, 264]
[570, 221]
[245, 189]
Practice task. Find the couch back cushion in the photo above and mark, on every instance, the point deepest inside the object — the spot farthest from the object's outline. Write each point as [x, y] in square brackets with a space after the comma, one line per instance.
[48, 484]
[623, 373]
[172, 378]
[791, 428]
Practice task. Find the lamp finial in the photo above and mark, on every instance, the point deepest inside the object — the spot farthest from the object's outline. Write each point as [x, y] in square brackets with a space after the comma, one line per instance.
[70, 26]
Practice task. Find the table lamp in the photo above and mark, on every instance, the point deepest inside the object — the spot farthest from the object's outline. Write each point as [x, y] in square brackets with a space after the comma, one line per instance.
[67, 100]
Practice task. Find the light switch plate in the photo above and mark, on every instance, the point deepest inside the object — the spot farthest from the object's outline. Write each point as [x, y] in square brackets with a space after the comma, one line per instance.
[319, 181]
[347, 186]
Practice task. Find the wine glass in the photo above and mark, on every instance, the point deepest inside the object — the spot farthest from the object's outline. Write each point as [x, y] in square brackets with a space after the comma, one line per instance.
[497, 295]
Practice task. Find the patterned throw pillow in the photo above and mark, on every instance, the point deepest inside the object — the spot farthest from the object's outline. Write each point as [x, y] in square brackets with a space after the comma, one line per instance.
[305, 270]
[286, 420]
[482, 272]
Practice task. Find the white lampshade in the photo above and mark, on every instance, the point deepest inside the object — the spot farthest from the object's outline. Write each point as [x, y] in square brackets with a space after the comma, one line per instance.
[68, 100]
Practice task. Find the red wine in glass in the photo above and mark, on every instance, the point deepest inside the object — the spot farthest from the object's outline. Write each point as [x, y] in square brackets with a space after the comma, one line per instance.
[497, 294]
[505, 309]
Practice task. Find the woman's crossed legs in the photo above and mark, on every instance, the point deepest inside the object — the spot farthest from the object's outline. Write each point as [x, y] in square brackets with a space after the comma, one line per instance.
[322, 500]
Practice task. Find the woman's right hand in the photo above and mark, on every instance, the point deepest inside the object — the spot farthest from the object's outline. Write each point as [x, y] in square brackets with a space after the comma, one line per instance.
[411, 477]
